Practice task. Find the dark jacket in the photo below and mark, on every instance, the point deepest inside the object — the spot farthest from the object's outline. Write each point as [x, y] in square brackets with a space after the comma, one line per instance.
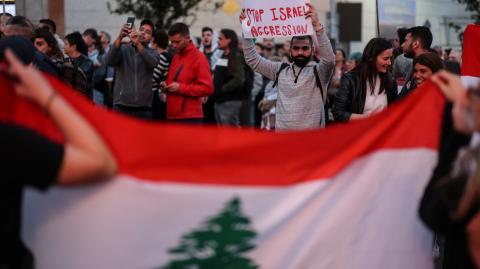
[45, 64]
[99, 73]
[229, 84]
[85, 64]
[410, 85]
[351, 96]
[435, 208]
[133, 75]
[441, 197]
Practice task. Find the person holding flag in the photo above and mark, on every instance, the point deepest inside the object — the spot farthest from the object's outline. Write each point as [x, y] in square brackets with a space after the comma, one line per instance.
[450, 202]
[29, 159]
[451, 198]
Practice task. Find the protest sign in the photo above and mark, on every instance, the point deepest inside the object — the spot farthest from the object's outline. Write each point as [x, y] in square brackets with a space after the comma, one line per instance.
[273, 18]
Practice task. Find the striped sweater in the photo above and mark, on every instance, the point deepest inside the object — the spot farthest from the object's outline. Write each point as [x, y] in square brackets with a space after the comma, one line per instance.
[299, 105]
[160, 72]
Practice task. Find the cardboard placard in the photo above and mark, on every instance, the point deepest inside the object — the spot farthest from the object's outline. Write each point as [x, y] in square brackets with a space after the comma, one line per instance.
[273, 18]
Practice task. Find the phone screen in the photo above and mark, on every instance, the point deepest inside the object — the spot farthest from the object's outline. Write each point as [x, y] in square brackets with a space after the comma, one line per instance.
[130, 21]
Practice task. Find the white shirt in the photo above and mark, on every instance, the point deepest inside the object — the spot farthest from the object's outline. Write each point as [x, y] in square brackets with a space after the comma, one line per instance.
[375, 102]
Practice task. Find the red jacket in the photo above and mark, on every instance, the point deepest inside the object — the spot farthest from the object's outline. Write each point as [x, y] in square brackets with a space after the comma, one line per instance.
[191, 70]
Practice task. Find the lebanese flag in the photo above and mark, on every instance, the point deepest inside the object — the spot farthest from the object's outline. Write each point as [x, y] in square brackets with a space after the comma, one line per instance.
[471, 56]
[206, 197]
[471, 63]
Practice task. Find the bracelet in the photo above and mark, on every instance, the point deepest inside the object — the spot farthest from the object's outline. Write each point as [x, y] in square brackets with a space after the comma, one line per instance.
[49, 101]
[319, 29]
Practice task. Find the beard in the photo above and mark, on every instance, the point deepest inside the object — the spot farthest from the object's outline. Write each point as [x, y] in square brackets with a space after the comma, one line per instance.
[409, 53]
[301, 61]
[207, 46]
[145, 42]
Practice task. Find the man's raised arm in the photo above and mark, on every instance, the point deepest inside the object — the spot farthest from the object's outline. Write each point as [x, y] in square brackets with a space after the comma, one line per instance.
[323, 47]
[259, 64]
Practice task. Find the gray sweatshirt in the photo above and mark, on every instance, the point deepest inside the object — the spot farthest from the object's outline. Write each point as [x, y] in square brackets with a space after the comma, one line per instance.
[299, 105]
[133, 75]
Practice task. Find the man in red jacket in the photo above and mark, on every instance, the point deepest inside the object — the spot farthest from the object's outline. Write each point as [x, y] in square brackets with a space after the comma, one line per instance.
[189, 78]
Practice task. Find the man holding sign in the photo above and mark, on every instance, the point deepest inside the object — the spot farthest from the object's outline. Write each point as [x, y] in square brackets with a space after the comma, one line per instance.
[301, 85]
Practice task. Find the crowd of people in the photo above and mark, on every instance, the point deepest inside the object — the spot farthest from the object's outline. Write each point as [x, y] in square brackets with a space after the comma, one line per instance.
[144, 73]
[161, 75]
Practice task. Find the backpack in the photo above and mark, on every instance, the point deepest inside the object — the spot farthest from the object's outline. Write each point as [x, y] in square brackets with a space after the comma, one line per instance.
[73, 75]
[318, 82]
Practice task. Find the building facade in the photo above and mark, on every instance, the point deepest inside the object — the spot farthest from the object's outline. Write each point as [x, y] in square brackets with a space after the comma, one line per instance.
[77, 15]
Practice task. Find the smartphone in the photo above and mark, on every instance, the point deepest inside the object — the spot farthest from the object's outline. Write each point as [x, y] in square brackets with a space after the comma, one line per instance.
[130, 21]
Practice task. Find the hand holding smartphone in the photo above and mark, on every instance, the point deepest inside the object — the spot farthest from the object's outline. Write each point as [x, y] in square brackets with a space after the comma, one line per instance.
[127, 29]
[130, 22]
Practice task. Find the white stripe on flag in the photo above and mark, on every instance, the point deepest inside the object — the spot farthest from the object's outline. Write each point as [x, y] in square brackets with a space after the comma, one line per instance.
[470, 82]
[365, 217]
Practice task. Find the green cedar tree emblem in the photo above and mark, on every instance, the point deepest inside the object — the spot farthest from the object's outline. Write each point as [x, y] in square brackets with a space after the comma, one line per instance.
[220, 243]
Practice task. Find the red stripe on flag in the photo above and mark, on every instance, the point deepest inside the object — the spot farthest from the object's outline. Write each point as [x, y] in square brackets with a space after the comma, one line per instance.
[191, 154]
[471, 51]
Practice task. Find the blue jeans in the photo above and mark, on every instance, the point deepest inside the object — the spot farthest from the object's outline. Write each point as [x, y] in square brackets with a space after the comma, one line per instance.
[98, 97]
